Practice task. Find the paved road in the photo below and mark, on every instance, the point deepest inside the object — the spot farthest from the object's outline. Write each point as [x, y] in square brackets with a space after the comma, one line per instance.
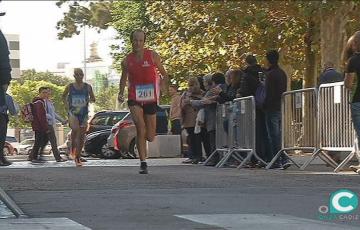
[175, 196]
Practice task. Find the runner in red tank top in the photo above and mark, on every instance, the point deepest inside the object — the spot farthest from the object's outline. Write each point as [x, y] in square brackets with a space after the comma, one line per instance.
[140, 69]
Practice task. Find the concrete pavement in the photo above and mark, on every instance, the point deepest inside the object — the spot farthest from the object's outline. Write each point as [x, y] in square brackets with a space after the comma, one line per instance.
[176, 196]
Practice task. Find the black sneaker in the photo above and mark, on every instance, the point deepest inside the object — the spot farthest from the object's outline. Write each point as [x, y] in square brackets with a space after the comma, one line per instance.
[4, 162]
[143, 168]
[286, 164]
[277, 167]
[61, 160]
[36, 161]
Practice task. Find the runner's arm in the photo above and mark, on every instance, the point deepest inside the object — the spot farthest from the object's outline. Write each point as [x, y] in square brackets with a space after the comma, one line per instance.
[65, 97]
[160, 67]
[123, 79]
[91, 94]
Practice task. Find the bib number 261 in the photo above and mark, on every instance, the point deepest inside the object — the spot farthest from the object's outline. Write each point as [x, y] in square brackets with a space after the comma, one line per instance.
[145, 93]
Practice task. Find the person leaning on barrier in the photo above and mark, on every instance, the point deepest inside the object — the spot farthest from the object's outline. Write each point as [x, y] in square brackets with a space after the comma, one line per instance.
[208, 103]
[232, 90]
[352, 82]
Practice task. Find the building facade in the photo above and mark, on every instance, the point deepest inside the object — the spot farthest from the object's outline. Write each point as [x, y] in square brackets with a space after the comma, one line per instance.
[14, 48]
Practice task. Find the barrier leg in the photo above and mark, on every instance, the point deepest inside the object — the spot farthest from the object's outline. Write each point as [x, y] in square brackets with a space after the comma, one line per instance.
[224, 159]
[345, 161]
[275, 158]
[211, 156]
[312, 158]
[328, 159]
[290, 159]
[246, 160]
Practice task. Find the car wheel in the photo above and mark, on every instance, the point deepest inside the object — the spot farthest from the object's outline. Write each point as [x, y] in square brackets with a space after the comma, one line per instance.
[6, 151]
[133, 151]
[108, 153]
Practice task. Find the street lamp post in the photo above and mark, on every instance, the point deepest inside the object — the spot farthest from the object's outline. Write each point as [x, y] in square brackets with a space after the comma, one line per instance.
[84, 52]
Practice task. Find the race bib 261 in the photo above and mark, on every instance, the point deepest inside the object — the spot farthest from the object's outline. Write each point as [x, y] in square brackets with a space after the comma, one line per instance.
[145, 93]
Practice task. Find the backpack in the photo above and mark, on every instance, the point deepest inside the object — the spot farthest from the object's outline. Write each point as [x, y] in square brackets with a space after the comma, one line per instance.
[260, 95]
[26, 112]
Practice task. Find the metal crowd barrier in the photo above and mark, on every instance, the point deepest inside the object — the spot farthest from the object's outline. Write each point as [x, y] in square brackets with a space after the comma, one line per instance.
[336, 131]
[243, 135]
[299, 124]
[223, 112]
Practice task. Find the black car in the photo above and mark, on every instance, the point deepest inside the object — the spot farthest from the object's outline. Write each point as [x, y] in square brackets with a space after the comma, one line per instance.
[105, 120]
[95, 141]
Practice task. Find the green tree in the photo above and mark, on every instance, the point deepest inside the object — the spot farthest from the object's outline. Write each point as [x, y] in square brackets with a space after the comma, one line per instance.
[25, 92]
[101, 82]
[106, 99]
[32, 75]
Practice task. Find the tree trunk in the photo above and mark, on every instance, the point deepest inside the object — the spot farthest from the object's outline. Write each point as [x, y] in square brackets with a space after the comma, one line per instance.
[333, 34]
[310, 56]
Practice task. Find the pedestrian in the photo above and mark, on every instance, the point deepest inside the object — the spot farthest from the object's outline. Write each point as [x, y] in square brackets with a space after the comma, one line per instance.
[140, 68]
[188, 117]
[329, 74]
[52, 117]
[352, 82]
[175, 110]
[4, 119]
[39, 125]
[275, 86]
[5, 78]
[77, 97]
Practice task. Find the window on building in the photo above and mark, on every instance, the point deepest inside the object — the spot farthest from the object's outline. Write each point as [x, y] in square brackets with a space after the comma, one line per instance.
[14, 45]
[15, 63]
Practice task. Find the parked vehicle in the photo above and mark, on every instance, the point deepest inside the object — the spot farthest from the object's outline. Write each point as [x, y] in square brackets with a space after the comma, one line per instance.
[13, 141]
[8, 149]
[96, 142]
[105, 120]
[122, 137]
[25, 147]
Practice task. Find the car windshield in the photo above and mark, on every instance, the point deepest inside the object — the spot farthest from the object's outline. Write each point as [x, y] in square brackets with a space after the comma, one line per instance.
[28, 142]
[11, 139]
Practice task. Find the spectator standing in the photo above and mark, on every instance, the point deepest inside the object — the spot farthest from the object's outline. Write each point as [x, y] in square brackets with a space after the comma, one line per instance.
[188, 117]
[4, 119]
[52, 117]
[250, 84]
[352, 82]
[330, 75]
[175, 110]
[39, 125]
[275, 85]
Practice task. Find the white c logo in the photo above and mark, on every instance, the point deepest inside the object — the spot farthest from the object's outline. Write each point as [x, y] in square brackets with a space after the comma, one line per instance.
[336, 204]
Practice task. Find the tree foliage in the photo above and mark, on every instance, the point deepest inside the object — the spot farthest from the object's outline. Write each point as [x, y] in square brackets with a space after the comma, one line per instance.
[24, 92]
[43, 76]
[196, 37]
[106, 99]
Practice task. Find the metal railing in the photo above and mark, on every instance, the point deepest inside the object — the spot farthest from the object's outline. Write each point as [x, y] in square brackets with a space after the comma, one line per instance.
[336, 131]
[299, 124]
[223, 112]
[242, 132]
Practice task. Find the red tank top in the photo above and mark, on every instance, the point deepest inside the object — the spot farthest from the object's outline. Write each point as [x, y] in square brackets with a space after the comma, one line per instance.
[143, 78]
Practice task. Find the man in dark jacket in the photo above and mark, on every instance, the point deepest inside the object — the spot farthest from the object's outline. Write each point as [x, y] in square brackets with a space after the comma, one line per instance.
[5, 68]
[330, 75]
[275, 85]
[39, 125]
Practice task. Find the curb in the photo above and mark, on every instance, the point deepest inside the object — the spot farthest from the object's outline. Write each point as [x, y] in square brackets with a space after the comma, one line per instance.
[11, 204]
